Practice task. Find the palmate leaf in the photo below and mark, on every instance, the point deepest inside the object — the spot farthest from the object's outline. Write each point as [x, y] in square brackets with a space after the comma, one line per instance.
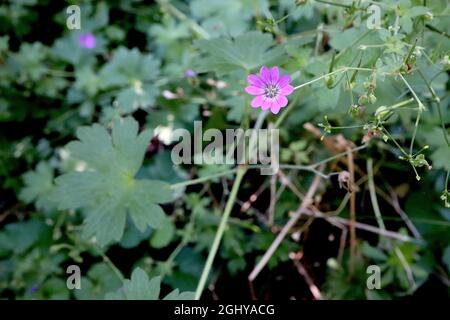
[140, 287]
[246, 52]
[108, 190]
[135, 74]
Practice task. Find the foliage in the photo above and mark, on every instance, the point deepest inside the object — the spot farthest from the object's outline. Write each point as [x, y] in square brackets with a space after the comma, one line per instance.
[86, 134]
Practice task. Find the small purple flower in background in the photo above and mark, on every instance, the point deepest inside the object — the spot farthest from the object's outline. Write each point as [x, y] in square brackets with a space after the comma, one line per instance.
[34, 288]
[270, 89]
[189, 73]
[87, 40]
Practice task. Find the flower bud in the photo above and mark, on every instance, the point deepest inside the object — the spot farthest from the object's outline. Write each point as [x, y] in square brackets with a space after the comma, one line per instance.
[329, 82]
[363, 99]
[382, 113]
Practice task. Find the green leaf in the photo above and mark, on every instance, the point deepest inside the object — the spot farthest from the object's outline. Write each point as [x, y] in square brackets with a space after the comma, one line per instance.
[38, 186]
[440, 150]
[246, 52]
[140, 287]
[134, 74]
[132, 236]
[218, 17]
[99, 280]
[373, 252]
[446, 258]
[19, 237]
[162, 237]
[177, 295]
[107, 189]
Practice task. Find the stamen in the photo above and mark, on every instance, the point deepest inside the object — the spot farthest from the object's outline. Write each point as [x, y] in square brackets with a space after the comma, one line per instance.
[271, 91]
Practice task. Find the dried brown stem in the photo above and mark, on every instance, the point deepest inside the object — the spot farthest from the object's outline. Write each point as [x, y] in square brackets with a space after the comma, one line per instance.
[292, 221]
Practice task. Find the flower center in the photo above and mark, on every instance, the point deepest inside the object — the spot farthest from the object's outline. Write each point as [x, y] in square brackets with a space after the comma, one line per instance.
[271, 91]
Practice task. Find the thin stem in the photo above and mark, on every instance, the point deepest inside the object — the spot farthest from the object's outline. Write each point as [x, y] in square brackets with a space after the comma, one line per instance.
[110, 264]
[386, 233]
[329, 74]
[446, 193]
[202, 179]
[347, 127]
[434, 29]
[282, 19]
[172, 257]
[350, 88]
[334, 4]
[307, 200]
[421, 105]
[401, 104]
[446, 179]
[373, 195]
[219, 233]
[395, 142]
[312, 167]
[339, 155]
[419, 113]
[293, 167]
[181, 16]
[438, 104]
[416, 126]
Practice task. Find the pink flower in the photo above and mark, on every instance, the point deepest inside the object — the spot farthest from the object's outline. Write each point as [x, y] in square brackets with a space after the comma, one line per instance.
[270, 89]
[87, 40]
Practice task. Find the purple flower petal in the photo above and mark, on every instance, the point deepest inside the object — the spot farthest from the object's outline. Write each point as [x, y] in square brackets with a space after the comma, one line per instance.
[270, 89]
[265, 74]
[282, 101]
[257, 101]
[284, 80]
[275, 108]
[87, 40]
[266, 104]
[255, 91]
[256, 81]
[274, 74]
[286, 90]
[189, 73]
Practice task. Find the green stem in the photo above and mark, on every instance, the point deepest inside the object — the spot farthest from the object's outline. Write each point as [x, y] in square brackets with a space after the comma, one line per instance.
[334, 4]
[219, 233]
[202, 179]
[181, 16]
[401, 104]
[172, 257]
[395, 142]
[348, 127]
[438, 105]
[434, 29]
[110, 264]
[329, 74]
[416, 126]
[373, 196]
[419, 113]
